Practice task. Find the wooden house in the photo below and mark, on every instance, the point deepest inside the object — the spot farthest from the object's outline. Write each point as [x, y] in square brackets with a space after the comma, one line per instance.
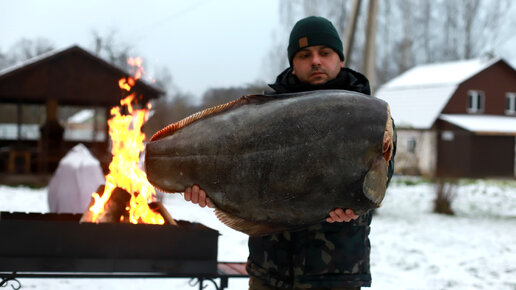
[35, 96]
[455, 119]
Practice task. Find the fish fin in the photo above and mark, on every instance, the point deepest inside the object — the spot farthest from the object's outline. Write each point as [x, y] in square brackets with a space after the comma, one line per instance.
[248, 227]
[168, 130]
[375, 181]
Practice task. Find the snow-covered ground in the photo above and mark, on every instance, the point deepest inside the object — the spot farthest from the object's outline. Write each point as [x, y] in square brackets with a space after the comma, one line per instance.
[412, 248]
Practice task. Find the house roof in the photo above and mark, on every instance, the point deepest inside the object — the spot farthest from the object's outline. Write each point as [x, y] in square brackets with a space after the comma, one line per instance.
[20, 64]
[417, 97]
[483, 124]
[72, 75]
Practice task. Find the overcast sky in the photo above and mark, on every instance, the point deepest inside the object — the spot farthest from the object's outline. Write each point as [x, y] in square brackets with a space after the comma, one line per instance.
[204, 43]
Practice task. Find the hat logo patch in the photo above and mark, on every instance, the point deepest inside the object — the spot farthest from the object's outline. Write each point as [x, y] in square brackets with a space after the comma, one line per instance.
[303, 42]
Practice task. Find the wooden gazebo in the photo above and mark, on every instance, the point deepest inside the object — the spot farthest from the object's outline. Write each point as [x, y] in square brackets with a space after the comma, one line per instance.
[71, 77]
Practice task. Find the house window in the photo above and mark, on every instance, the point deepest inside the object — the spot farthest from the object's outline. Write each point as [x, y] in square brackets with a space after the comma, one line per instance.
[476, 102]
[411, 145]
[511, 104]
[447, 136]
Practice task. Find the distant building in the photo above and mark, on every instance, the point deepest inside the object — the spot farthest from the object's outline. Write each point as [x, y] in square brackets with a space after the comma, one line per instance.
[455, 119]
[38, 95]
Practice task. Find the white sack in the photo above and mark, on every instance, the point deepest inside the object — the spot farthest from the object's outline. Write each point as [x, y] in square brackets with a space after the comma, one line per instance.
[77, 176]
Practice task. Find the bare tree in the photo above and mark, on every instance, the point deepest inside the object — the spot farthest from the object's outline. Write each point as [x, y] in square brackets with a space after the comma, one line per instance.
[24, 49]
[384, 40]
[163, 80]
[3, 60]
[405, 44]
[410, 32]
[217, 96]
[167, 111]
[110, 48]
[496, 25]
[450, 43]
[445, 193]
[117, 52]
[469, 14]
[27, 48]
[426, 20]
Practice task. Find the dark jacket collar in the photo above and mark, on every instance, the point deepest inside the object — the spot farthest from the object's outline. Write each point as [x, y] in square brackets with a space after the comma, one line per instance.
[347, 79]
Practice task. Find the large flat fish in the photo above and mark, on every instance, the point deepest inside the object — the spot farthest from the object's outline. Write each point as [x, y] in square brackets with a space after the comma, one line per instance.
[279, 162]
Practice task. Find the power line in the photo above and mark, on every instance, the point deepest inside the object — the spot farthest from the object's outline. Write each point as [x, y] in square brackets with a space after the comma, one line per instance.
[173, 16]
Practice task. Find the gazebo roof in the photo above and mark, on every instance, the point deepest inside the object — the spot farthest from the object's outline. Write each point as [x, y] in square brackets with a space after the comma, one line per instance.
[72, 76]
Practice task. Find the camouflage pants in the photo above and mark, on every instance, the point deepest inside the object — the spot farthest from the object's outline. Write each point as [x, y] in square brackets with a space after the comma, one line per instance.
[257, 284]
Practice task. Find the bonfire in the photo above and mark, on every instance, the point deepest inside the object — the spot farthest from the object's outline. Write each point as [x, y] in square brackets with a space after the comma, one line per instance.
[127, 196]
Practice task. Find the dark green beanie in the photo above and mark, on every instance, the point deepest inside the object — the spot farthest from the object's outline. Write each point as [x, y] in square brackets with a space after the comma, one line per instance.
[313, 30]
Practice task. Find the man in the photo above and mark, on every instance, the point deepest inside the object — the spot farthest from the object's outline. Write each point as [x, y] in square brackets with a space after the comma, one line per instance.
[335, 253]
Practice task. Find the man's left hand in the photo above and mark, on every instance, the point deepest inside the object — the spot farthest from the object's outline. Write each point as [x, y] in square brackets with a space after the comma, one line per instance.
[339, 215]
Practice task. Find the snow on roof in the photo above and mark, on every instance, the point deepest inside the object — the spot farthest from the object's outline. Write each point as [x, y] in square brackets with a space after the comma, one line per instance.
[418, 96]
[416, 108]
[32, 60]
[55, 52]
[81, 116]
[483, 124]
[439, 74]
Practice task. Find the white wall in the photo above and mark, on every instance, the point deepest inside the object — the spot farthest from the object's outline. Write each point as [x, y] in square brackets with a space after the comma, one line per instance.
[424, 158]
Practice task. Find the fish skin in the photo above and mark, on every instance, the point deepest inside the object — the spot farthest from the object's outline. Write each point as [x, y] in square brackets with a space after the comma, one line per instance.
[281, 162]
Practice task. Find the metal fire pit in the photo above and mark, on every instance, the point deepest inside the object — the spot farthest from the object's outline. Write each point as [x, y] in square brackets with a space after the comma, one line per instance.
[58, 242]
[57, 245]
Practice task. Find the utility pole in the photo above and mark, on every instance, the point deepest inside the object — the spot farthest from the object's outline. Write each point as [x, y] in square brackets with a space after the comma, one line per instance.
[350, 31]
[370, 51]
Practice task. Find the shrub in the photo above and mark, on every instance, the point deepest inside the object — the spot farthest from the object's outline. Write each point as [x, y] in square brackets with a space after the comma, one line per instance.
[445, 194]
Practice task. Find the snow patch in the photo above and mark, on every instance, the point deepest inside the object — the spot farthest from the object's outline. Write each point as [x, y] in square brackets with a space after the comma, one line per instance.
[412, 248]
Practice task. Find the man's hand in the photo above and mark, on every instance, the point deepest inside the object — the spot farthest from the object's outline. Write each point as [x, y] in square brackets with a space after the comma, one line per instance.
[339, 215]
[197, 196]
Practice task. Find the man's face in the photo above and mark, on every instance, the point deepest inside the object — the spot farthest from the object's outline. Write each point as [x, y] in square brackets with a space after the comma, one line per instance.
[316, 64]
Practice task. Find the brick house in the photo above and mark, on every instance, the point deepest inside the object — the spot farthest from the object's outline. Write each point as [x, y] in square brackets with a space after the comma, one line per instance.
[455, 119]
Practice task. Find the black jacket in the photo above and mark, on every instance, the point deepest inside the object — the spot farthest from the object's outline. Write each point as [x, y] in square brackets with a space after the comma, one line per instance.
[324, 255]
[347, 79]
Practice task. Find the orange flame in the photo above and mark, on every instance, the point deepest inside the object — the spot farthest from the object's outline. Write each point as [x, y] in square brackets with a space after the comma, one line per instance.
[127, 139]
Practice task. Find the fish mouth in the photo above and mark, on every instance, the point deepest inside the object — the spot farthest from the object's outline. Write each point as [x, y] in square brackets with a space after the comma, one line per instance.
[377, 178]
[388, 138]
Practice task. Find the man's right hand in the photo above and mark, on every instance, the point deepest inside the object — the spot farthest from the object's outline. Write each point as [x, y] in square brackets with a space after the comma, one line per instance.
[340, 215]
[197, 196]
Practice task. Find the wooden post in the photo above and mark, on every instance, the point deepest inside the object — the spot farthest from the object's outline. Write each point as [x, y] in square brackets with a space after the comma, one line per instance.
[514, 150]
[369, 55]
[19, 120]
[94, 125]
[350, 31]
